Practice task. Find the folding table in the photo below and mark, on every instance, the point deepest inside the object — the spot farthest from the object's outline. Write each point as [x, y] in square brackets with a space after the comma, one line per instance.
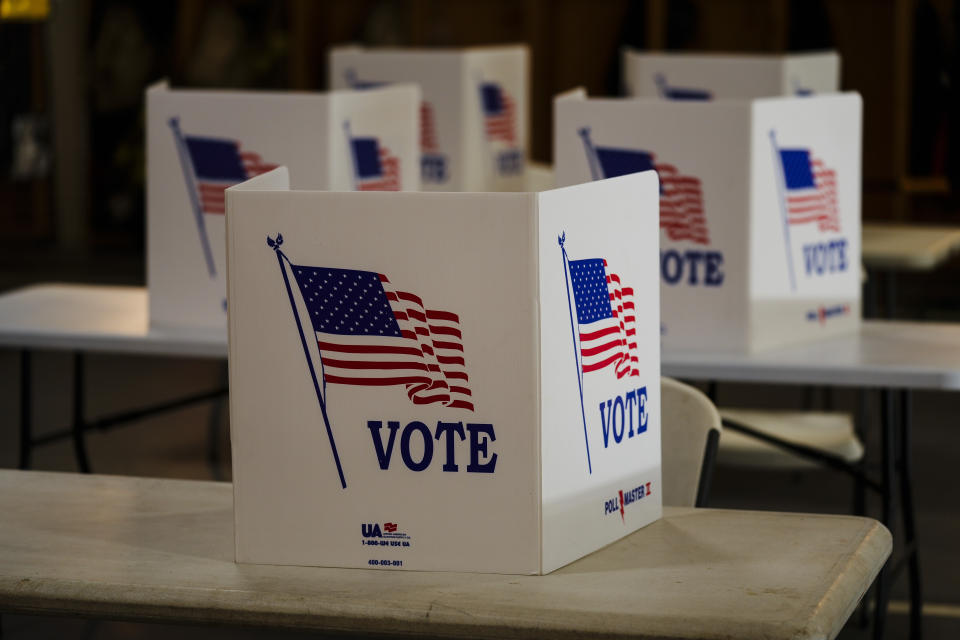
[908, 247]
[894, 357]
[83, 319]
[162, 550]
[887, 248]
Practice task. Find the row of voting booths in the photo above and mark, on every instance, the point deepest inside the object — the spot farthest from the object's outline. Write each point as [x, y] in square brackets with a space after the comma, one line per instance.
[404, 366]
[456, 121]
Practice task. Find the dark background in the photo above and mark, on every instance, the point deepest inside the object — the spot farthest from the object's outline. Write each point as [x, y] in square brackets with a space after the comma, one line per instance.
[80, 75]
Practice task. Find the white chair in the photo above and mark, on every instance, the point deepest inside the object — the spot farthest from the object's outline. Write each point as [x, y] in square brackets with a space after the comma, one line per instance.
[821, 434]
[690, 430]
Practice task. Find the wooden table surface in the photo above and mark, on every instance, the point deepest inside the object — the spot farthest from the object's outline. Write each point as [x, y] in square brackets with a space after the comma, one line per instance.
[162, 550]
[908, 247]
[883, 354]
[97, 318]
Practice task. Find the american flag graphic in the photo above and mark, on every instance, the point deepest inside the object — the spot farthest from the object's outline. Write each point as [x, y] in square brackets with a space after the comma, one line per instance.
[219, 163]
[354, 81]
[682, 213]
[428, 128]
[811, 190]
[375, 168]
[681, 206]
[371, 334]
[499, 113]
[606, 315]
[679, 93]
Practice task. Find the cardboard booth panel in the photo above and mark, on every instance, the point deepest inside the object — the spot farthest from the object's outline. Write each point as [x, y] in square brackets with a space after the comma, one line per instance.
[474, 123]
[805, 227]
[759, 208]
[699, 77]
[703, 204]
[539, 177]
[388, 392]
[201, 142]
[609, 442]
[374, 138]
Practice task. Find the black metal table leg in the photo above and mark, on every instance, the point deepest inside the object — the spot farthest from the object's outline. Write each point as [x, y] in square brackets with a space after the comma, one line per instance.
[891, 297]
[213, 428]
[887, 409]
[79, 426]
[861, 420]
[909, 522]
[26, 409]
[860, 428]
[871, 294]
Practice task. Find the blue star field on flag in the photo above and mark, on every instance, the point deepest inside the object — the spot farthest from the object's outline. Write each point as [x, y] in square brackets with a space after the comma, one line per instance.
[590, 290]
[346, 301]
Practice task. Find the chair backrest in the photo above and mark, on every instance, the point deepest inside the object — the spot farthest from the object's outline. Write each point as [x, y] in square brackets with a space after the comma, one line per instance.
[690, 430]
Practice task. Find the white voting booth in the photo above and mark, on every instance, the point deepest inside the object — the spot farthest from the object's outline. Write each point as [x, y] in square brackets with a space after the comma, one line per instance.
[759, 209]
[474, 114]
[700, 77]
[201, 142]
[464, 382]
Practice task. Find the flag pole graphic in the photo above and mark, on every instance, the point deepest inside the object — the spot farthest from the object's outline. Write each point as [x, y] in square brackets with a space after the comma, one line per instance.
[782, 193]
[186, 165]
[353, 154]
[275, 245]
[351, 77]
[573, 333]
[661, 82]
[488, 146]
[596, 172]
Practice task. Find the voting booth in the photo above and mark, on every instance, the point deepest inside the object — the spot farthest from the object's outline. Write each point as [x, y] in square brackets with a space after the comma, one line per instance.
[463, 382]
[759, 209]
[701, 77]
[474, 114]
[201, 142]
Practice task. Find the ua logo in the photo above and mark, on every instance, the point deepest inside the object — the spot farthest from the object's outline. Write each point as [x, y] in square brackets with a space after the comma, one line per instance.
[370, 530]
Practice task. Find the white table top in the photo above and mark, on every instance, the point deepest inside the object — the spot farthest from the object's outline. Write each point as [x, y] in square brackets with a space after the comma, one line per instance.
[95, 318]
[910, 355]
[908, 247]
[162, 550]
[883, 354]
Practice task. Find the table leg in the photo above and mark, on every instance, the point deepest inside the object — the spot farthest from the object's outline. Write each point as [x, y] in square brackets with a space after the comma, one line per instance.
[806, 398]
[26, 410]
[891, 297]
[909, 522]
[213, 428]
[79, 426]
[887, 409]
[860, 422]
[859, 507]
[871, 294]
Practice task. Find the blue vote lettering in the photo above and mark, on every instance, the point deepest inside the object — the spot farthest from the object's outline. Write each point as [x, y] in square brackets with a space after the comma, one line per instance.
[433, 168]
[510, 162]
[616, 416]
[481, 459]
[825, 257]
[692, 266]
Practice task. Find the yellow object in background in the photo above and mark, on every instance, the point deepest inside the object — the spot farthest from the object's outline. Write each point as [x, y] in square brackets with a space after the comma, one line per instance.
[24, 9]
